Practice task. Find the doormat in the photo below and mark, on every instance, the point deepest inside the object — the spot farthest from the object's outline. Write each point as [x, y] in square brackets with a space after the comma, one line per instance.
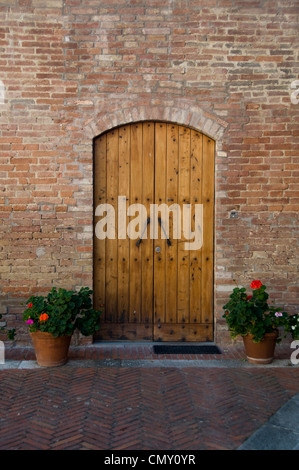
[186, 349]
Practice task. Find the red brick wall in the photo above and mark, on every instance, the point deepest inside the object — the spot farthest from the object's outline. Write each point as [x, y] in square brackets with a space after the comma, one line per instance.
[72, 69]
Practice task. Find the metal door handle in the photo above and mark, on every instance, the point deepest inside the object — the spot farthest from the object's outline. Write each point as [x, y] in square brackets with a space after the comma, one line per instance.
[167, 239]
[140, 239]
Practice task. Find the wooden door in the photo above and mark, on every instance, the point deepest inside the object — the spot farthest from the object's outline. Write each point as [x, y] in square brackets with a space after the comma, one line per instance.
[154, 289]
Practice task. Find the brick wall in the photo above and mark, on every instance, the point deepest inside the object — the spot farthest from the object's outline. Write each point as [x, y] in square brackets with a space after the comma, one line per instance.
[72, 69]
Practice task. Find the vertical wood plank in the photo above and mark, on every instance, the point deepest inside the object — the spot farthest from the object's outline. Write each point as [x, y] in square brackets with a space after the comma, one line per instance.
[195, 198]
[172, 198]
[147, 243]
[183, 198]
[135, 198]
[99, 254]
[111, 244]
[124, 136]
[208, 229]
[160, 192]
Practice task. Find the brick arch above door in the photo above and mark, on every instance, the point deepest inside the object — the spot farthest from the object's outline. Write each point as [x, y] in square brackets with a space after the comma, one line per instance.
[181, 111]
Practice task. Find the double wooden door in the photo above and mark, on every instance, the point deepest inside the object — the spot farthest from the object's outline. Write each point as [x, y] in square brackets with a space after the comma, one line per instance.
[153, 288]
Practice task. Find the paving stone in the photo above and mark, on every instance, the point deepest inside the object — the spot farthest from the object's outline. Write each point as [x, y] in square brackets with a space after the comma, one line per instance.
[141, 408]
[270, 437]
[287, 417]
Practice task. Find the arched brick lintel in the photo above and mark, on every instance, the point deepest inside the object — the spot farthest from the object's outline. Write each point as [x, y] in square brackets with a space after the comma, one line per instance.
[186, 114]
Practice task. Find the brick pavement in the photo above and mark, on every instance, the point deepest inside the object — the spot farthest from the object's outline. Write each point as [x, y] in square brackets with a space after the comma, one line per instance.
[140, 408]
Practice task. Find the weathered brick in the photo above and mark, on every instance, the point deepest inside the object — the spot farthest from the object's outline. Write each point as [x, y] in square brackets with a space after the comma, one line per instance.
[72, 70]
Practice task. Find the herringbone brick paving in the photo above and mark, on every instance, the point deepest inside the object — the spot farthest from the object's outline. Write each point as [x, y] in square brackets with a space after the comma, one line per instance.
[140, 408]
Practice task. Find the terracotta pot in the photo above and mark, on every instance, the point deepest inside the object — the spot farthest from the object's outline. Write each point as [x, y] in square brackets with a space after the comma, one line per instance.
[262, 352]
[50, 351]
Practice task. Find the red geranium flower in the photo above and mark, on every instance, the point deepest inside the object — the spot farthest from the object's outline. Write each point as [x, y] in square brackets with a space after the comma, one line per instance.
[249, 297]
[29, 305]
[43, 317]
[256, 284]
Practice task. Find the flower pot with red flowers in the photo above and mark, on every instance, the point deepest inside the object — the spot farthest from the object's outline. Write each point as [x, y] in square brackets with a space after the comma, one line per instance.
[52, 320]
[260, 325]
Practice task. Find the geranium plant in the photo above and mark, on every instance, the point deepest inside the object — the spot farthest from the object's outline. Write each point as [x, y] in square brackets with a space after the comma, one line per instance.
[9, 332]
[251, 314]
[61, 312]
[293, 326]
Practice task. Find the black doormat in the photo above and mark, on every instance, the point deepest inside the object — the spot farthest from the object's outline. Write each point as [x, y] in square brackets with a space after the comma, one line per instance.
[186, 349]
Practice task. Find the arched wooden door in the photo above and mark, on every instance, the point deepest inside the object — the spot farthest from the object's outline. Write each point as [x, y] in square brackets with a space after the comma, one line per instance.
[154, 289]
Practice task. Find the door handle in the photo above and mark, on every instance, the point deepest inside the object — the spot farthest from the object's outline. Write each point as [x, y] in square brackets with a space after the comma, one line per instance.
[140, 239]
[167, 239]
[143, 231]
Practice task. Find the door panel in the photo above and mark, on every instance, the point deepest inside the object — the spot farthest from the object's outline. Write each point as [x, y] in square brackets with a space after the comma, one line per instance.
[183, 198]
[111, 244]
[99, 253]
[159, 243]
[135, 314]
[171, 259]
[146, 246]
[154, 289]
[208, 229]
[123, 285]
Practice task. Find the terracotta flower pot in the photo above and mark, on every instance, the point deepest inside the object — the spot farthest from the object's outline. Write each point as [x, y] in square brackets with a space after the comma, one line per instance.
[262, 352]
[50, 351]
